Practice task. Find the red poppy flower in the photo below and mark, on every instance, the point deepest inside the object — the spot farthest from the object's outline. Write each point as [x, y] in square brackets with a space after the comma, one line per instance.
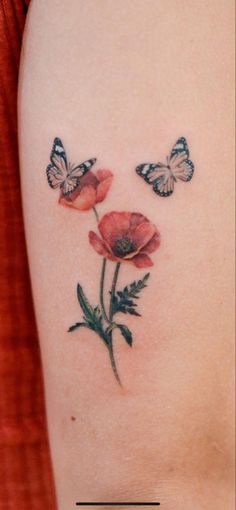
[126, 237]
[92, 189]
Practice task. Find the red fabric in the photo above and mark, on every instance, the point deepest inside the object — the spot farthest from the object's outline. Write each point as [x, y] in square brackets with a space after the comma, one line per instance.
[25, 470]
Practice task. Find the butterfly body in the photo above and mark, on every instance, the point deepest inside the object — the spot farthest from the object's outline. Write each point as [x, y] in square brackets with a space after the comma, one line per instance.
[61, 173]
[162, 177]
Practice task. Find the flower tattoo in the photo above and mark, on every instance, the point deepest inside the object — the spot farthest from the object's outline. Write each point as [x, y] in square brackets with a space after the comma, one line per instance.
[92, 189]
[124, 237]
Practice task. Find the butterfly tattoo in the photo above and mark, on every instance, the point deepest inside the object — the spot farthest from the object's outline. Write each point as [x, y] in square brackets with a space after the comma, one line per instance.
[162, 177]
[62, 174]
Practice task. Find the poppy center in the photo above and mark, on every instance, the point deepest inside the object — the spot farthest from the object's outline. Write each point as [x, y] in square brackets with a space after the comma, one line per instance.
[123, 246]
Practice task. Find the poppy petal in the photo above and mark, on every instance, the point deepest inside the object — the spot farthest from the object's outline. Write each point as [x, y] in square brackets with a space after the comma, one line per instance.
[142, 260]
[103, 188]
[136, 219]
[114, 225]
[143, 234]
[102, 175]
[86, 199]
[153, 244]
[89, 179]
[98, 245]
[66, 201]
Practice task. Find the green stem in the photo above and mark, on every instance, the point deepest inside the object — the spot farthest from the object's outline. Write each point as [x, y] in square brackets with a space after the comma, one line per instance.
[113, 290]
[96, 213]
[102, 276]
[110, 345]
[108, 342]
[113, 363]
[102, 289]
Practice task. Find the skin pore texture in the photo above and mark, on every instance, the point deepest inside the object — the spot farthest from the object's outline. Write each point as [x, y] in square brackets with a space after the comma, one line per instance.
[121, 82]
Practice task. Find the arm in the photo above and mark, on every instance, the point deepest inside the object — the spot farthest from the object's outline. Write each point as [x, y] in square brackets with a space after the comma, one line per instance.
[120, 82]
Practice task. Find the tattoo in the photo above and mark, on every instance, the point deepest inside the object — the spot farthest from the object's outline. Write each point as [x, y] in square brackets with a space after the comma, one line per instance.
[62, 174]
[162, 177]
[124, 237]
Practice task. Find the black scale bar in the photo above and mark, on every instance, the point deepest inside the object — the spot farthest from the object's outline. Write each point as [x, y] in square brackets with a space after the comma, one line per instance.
[117, 503]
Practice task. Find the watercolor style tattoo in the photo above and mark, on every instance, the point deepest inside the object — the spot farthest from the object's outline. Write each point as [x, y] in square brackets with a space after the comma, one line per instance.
[124, 237]
[162, 177]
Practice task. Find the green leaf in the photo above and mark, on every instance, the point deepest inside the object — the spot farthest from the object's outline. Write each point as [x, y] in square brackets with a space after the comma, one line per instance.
[123, 299]
[136, 287]
[77, 325]
[126, 333]
[131, 311]
[92, 316]
[83, 301]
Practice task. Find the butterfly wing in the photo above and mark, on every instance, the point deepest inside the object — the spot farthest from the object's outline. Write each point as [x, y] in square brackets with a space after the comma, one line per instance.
[61, 174]
[159, 176]
[150, 172]
[74, 175]
[81, 169]
[181, 166]
[163, 177]
[57, 170]
[164, 186]
[180, 147]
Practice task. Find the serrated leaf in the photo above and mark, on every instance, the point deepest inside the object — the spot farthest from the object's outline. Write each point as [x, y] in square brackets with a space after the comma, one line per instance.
[132, 311]
[126, 333]
[123, 299]
[128, 302]
[77, 325]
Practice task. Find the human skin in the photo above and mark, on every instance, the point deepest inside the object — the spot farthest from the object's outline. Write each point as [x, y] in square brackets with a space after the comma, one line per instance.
[121, 81]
